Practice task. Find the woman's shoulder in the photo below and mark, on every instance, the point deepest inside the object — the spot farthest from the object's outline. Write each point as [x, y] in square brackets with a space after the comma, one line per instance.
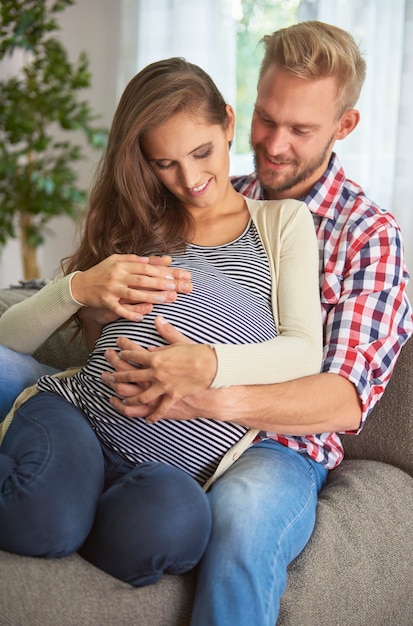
[272, 212]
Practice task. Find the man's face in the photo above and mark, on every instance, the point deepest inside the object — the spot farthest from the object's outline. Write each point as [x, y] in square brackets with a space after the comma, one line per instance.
[294, 127]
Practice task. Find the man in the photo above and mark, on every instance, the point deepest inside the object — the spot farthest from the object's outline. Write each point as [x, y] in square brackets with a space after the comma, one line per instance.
[264, 505]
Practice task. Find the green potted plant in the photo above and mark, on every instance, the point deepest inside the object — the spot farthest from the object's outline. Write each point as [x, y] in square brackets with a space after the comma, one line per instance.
[41, 115]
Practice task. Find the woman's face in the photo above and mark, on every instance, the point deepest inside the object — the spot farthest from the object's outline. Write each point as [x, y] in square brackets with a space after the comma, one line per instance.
[191, 158]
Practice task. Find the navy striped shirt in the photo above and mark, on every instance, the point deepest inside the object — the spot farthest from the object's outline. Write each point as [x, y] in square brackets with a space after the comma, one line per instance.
[230, 303]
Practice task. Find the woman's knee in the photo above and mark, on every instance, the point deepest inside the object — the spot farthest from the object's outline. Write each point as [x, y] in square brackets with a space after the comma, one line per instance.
[51, 477]
[158, 520]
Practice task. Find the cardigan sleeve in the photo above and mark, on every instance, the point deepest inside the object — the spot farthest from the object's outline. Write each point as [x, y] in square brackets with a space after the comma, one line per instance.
[27, 324]
[297, 350]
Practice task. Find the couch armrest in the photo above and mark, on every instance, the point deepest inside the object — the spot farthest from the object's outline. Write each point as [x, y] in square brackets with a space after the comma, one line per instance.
[60, 350]
[388, 433]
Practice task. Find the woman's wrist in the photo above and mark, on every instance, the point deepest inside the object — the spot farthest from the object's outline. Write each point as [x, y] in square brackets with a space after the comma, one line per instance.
[72, 286]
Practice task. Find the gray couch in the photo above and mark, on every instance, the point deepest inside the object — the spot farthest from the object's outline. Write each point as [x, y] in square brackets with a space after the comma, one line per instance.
[357, 569]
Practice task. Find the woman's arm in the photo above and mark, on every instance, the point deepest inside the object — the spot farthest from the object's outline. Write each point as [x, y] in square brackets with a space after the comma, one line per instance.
[122, 285]
[26, 325]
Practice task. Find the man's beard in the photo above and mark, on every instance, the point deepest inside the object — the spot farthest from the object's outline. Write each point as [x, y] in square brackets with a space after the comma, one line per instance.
[268, 178]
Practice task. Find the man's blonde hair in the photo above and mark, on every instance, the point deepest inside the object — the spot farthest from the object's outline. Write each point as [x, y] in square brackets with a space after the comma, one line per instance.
[312, 50]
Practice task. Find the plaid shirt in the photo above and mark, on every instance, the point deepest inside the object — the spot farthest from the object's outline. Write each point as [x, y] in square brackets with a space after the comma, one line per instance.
[366, 313]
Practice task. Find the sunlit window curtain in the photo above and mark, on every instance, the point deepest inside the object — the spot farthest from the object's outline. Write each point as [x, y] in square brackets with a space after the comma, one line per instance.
[378, 154]
[202, 31]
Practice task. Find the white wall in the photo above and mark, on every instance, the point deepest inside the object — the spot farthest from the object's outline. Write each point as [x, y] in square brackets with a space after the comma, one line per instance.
[92, 26]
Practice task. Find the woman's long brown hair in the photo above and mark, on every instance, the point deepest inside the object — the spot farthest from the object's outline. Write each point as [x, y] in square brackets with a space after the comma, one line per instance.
[129, 210]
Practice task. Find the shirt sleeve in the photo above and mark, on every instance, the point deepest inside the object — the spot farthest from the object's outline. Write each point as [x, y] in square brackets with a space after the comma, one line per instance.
[27, 324]
[297, 350]
[368, 316]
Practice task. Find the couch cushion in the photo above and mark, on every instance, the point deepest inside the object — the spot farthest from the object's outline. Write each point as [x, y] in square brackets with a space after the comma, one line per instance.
[358, 566]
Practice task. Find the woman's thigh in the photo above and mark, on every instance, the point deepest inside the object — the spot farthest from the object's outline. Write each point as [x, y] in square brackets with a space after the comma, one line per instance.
[51, 478]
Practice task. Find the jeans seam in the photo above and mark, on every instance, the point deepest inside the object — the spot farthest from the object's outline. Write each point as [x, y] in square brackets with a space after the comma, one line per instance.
[46, 458]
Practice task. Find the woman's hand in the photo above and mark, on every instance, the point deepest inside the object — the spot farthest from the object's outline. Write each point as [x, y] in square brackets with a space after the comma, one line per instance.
[164, 374]
[126, 285]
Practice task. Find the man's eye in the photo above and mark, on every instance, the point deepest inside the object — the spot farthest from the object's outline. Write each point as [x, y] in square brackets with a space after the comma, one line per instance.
[267, 121]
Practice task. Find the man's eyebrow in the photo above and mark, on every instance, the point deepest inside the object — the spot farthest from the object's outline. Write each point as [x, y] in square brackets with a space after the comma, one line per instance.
[264, 113]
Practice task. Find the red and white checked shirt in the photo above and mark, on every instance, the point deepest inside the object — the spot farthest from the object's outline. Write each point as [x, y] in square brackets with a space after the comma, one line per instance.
[366, 313]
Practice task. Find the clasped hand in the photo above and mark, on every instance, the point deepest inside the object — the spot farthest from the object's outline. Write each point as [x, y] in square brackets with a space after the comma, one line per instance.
[157, 377]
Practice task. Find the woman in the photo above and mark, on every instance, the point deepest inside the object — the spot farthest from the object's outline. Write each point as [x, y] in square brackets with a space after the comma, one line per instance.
[128, 493]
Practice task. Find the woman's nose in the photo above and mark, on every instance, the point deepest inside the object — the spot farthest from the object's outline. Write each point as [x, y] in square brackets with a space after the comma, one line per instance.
[189, 176]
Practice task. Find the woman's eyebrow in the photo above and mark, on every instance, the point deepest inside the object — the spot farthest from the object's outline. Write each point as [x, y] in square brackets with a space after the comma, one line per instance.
[203, 146]
[208, 144]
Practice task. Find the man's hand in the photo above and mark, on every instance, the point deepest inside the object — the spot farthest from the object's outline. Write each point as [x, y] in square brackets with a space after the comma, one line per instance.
[161, 375]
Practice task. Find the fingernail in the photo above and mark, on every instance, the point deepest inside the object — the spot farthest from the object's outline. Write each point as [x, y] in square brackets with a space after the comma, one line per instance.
[162, 320]
[159, 299]
[139, 317]
[170, 285]
[169, 276]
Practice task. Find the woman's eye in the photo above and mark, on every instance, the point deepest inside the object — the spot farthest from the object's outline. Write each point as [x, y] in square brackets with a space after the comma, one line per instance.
[164, 166]
[204, 155]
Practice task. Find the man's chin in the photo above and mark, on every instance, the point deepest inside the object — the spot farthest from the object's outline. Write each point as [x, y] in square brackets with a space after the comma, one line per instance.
[272, 183]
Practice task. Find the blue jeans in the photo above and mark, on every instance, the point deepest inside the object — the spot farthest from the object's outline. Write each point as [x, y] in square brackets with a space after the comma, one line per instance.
[17, 371]
[62, 491]
[263, 511]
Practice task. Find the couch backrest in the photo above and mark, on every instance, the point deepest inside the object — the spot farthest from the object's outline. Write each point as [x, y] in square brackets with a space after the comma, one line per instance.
[388, 433]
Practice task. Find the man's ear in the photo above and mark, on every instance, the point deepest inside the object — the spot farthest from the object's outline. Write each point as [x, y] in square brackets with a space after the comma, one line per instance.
[347, 123]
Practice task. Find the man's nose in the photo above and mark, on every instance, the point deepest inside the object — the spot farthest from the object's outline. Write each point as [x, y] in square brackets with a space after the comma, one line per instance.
[277, 140]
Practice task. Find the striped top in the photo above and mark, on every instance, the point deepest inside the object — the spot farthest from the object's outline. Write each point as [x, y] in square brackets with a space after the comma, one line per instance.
[230, 303]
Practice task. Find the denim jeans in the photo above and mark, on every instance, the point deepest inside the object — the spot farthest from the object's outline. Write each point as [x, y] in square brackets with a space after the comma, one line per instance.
[17, 371]
[61, 491]
[263, 511]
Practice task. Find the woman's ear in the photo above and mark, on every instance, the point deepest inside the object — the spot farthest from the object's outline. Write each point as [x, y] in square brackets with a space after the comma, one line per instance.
[231, 123]
[347, 123]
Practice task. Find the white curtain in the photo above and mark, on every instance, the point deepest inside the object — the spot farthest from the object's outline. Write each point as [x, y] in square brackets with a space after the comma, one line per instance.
[378, 154]
[201, 31]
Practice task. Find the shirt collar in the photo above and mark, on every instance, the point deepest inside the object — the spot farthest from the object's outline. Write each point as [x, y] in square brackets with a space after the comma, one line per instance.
[325, 194]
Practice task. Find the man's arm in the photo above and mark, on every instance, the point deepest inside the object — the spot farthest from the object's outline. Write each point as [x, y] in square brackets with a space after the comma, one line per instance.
[313, 404]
